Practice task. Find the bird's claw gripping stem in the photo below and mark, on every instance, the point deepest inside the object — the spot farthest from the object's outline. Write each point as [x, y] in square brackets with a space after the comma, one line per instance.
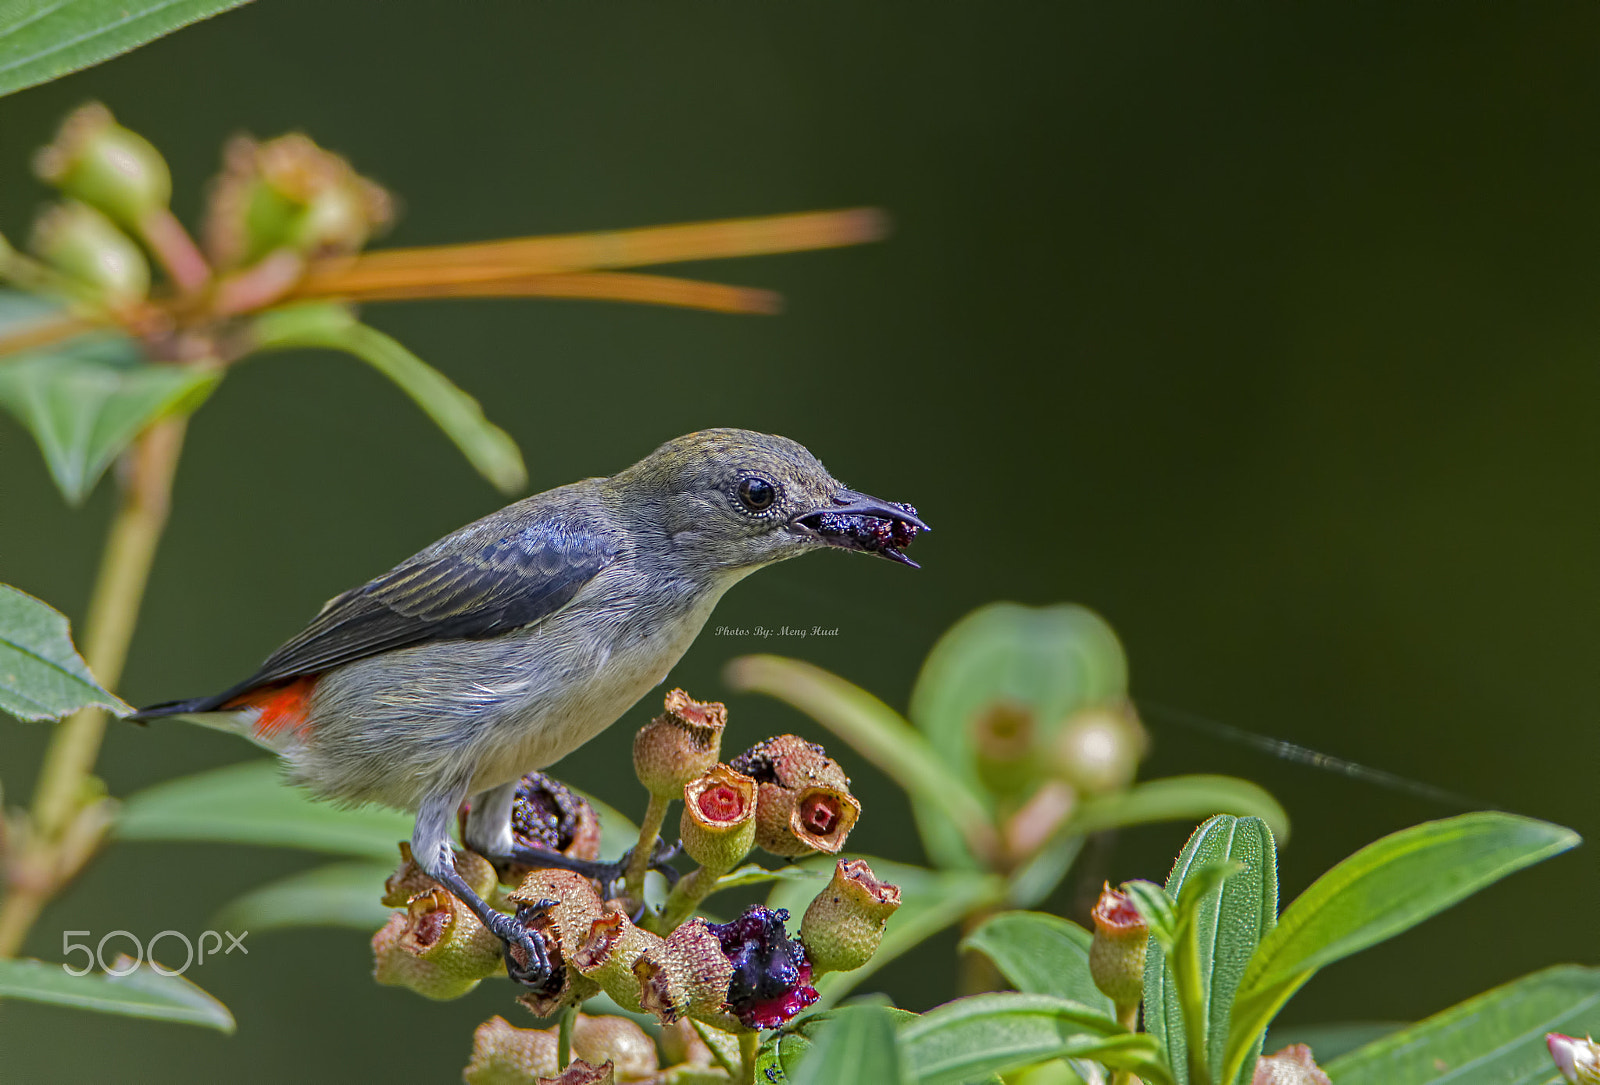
[532, 968]
[527, 959]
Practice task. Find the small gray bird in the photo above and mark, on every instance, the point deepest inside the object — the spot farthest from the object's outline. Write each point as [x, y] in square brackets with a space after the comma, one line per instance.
[506, 645]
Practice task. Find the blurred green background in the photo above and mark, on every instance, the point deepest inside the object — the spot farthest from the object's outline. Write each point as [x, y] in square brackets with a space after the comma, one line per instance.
[1269, 334]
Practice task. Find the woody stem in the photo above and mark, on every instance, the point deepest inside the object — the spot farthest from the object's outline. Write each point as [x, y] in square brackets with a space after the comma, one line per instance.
[59, 797]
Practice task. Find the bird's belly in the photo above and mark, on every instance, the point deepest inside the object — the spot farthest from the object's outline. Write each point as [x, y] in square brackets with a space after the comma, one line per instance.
[399, 726]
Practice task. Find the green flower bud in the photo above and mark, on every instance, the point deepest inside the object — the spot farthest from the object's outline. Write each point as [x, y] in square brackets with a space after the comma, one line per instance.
[603, 1046]
[1099, 748]
[107, 166]
[1291, 1066]
[290, 193]
[679, 745]
[437, 948]
[686, 976]
[1116, 956]
[87, 246]
[609, 952]
[843, 926]
[719, 818]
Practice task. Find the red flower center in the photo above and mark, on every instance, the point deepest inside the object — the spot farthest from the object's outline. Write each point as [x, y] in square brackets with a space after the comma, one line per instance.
[819, 815]
[721, 803]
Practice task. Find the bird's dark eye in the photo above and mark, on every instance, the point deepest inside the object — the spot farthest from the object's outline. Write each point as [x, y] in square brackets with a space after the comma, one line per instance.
[757, 494]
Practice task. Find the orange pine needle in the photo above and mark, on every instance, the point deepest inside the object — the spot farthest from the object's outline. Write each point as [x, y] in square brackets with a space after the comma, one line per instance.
[565, 253]
[595, 286]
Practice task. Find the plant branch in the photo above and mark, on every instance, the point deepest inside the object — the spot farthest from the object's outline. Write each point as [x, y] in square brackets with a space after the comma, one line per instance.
[655, 815]
[61, 796]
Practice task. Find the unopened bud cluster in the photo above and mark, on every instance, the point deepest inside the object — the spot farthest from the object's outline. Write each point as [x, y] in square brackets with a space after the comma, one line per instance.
[276, 205]
[784, 794]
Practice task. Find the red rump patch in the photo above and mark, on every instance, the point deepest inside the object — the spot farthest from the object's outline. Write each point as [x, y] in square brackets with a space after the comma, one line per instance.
[284, 709]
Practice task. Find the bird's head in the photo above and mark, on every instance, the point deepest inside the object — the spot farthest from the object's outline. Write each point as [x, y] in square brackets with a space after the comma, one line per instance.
[736, 500]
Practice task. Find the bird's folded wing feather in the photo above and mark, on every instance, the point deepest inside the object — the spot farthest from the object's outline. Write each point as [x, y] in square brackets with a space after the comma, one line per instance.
[518, 577]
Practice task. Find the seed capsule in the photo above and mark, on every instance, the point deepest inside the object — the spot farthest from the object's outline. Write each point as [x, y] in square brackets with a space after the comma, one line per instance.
[679, 745]
[719, 818]
[844, 925]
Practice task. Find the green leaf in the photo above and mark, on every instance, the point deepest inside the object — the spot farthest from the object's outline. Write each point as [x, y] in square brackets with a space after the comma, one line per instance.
[1051, 661]
[1038, 875]
[930, 901]
[487, 447]
[994, 1033]
[41, 40]
[1385, 888]
[756, 874]
[1178, 798]
[250, 803]
[877, 732]
[782, 1051]
[141, 993]
[1496, 1037]
[339, 895]
[1041, 955]
[85, 399]
[856, 1047]
[42, 676]
[1228, 919]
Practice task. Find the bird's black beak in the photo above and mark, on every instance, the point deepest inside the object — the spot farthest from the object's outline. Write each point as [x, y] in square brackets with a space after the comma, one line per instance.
[858, 521]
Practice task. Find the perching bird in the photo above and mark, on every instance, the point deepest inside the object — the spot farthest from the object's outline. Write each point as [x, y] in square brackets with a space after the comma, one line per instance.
[506, 645]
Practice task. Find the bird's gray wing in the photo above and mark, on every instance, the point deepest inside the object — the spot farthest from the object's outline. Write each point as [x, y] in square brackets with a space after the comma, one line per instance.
[514, 579]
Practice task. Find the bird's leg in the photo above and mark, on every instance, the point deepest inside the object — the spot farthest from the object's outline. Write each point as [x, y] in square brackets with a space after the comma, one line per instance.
[430, 847]
[488, 832]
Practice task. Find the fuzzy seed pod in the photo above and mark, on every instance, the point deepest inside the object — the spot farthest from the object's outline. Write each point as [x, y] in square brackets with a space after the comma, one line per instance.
[89, 248]
[1292, 1065]
[686, 976]
[580, 1072]
[290, 193]
[607, 956]
[771, 975]
[792, 822]
[1116, 956]
[679, 745]
[790, 761]
[1099, 748]
[437, 947]
[563, 927]
[505, 1055]
[96, 160]
[719, 818]
[803, 803]
[681, 1045]
[618, 1041]
[843, 926]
